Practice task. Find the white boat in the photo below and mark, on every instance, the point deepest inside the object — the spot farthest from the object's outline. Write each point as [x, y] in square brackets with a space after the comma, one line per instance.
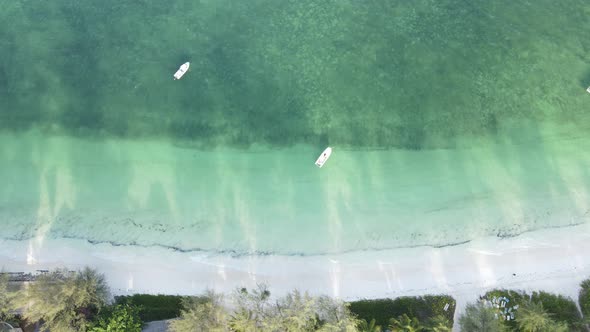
[588, 89]
[181, 71]
[323, 157]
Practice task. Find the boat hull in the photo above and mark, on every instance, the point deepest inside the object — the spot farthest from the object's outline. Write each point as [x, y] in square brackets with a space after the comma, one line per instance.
[323, 157]
[181, 71]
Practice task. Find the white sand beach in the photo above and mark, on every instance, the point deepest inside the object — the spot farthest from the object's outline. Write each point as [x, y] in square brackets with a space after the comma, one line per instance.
[553, 260]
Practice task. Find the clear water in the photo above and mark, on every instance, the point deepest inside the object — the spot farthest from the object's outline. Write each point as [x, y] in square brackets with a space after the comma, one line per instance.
[449, 120]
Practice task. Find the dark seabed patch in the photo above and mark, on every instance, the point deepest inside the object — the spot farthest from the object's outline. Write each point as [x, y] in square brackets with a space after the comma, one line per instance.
[358, 74]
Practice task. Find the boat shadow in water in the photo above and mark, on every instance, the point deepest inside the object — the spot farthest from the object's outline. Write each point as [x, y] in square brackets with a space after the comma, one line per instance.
[585, 79]
[322, 141]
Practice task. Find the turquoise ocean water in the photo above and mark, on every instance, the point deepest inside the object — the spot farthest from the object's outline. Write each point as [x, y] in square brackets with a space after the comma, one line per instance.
[449, 120]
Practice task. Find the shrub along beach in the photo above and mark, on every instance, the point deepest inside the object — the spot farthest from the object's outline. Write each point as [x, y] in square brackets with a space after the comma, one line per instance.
[63, 301]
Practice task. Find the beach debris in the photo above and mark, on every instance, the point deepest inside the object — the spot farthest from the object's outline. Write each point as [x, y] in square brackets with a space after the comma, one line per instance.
[4, 326]
[504, 311]
[181, 71]
[23, 276]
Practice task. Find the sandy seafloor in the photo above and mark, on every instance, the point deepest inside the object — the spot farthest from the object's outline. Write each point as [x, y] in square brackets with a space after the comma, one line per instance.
[265, 202]
[460, 134]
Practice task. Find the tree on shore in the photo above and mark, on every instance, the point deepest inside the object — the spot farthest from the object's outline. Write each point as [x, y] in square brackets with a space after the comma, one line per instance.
[251, 309]
[6, 299]
[335, 315]
[293, 312]
[201, 314]
[255, 311]
[440, 324]
[371, 326]
[479, 317]
[64, 300]
[405, 324]
[534, 318]
[584, 301]
[118, 318]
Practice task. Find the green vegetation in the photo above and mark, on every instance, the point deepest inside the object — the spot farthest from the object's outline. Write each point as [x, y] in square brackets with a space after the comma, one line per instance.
[405, 324]
[201, 314]
[256, 312]
[506, 310]
[479, 317]
[153, 307]
[371, 326]
[7, 302]
[118, 318]
[584, 299]
[559, 309]
[64, 300]
[440, 324]
[6, 299]
[534, 318]
[428, 310]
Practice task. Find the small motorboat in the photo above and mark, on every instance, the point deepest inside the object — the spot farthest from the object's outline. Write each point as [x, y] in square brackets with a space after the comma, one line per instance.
[323, 157]
[588, 89]
[181, 71]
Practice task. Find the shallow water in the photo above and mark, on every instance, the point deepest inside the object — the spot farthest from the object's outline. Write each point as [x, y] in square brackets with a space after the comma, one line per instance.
[449, 120]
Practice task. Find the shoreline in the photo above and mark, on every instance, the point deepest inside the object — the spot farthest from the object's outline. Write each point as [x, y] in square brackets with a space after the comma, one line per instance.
[550, 259]
[236, 254]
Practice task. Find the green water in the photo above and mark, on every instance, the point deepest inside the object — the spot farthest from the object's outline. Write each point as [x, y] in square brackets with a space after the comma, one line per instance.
[449, 120]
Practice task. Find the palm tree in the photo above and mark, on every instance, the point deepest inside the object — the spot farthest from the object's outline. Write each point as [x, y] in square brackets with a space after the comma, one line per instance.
[64, 300]
[558, 327]
[440, 324]
[369, 327]
[405, 324]
[534, 318]
[480, 318]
